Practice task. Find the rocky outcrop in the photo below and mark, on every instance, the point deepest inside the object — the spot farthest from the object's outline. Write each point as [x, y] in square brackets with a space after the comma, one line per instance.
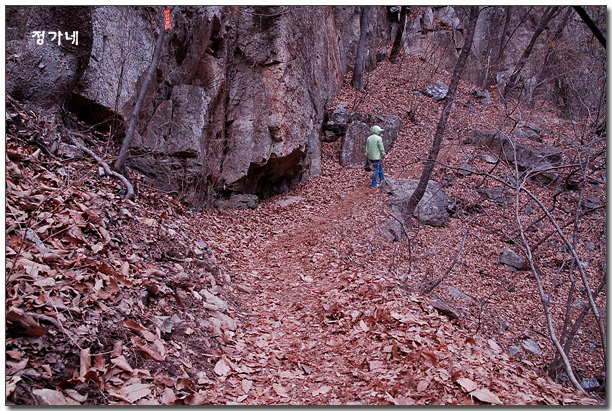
[43, 65]
[357, 131]
[239, 97]
[539, 160]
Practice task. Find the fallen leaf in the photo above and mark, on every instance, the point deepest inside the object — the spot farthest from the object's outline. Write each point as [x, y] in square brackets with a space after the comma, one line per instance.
[494, 346]
[122, 363]
[135, 392]
[422, 386]
[467, 384]
[11, 384]
[222, 367]
[46, 396]
[485, 395]
[429, 355]
[364, 326]
[280, 390]
[322, 390]
[246, 385]
[168, 397]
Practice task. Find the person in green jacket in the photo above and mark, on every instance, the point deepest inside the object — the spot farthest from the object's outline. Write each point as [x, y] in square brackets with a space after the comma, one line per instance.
[375, 152]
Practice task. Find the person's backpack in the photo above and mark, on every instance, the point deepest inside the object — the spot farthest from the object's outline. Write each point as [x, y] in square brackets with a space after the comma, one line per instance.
[367, 165]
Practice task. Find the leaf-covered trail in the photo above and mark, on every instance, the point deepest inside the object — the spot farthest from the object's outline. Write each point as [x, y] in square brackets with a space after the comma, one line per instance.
[326, 321]
[314, 275]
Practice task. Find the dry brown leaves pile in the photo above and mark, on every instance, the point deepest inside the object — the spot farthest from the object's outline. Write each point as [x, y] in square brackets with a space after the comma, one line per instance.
[301, 301]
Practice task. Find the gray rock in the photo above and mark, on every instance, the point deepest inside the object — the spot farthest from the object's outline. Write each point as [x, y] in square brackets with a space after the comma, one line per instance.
[511, 259]
[529, 131]
[483, 97]
[457, 293]
[589, 384]
[528, 210]
[465, 170]
[591, 203]
[531, 346]
[213, 299]
[580, 304]
[352, 153]
[514, 351]
[527, 158]
[45, 75]
[393, 230]
[490, 159]
[266, 80]
[434, 208]
[505, 325]
[338, 120]
[497, 194]
[436, 90]
[590, 246]
[288, 201]
[239, 202]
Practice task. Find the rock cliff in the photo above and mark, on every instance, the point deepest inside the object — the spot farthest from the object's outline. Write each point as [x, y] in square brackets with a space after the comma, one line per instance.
[239, 97]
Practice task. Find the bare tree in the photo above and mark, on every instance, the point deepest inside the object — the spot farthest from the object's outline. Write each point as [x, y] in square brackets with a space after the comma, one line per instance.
[549, 13]
[127, 141]
[450, 98]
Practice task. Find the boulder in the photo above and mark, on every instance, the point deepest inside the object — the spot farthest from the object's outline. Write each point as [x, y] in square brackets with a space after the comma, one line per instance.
[531, 346]
[435, 208]
[529, 131]
[511, 259]
[352, 153]
[528, 157]
[483, 97]
[238, 202]
[436, 90]
[338, 120]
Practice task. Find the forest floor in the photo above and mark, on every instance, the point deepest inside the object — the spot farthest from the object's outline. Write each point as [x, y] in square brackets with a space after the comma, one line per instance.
[302, 301]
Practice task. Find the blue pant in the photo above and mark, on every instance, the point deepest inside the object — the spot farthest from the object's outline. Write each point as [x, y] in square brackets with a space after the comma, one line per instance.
[378, 171]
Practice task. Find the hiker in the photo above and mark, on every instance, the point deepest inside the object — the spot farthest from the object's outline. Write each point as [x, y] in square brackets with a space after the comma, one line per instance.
[375, 152]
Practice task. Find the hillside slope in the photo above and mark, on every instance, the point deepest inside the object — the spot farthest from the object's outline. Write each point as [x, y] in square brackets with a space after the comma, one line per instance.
[300, 301]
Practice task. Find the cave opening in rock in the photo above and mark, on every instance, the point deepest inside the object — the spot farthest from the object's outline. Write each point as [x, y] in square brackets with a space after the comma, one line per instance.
[277, 176]
[99, 117]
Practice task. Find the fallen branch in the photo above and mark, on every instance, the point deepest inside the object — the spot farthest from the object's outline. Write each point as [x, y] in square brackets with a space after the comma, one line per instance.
[428, 287]
[129, 187]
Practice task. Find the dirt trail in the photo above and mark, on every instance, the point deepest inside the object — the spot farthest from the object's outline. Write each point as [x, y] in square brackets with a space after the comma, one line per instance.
[311, 264]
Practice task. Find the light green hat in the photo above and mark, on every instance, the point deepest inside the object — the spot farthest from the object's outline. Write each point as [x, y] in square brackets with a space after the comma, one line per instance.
[377, 130]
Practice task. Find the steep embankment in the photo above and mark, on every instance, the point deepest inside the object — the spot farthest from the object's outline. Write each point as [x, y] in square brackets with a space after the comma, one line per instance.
[118, 303]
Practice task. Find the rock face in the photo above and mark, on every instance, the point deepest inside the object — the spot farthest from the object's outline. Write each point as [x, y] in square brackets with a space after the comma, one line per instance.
[358, 129]
[535, 159]
[239, 97]
[43, 69]
[502, 34]
[435, 208]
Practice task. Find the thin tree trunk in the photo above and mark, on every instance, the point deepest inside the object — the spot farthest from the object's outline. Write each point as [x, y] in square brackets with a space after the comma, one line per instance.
[548, 15]
[359, 69]
[594, 29]
[450, 98]
[120, 162]
[397, 44]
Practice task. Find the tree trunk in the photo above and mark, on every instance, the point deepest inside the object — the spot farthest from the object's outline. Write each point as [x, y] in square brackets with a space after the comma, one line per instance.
[364, 20]
[548, 15]
[594, 29]
[120, 162]
[450, 98]
[397, 44]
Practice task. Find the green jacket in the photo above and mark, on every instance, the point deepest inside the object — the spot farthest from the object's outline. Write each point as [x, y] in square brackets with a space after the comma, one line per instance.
[375, 149]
